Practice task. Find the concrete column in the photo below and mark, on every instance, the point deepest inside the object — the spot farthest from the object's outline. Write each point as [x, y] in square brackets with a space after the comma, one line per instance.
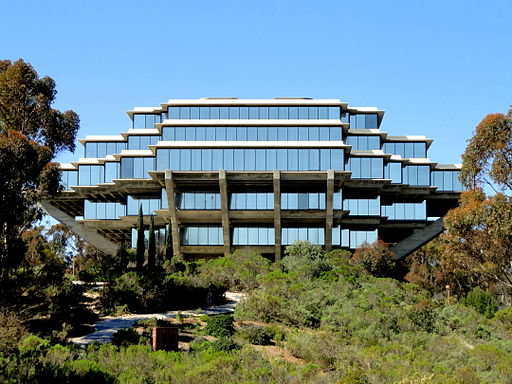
[329, 211]
[277, 214]
[171, 200]
[223, 185]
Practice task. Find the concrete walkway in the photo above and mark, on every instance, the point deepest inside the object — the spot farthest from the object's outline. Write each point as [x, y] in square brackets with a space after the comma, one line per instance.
[109, 325]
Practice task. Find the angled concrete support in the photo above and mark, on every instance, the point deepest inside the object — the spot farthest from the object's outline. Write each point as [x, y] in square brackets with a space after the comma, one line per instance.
[277, 213]
[223, 185]
[329, 211]
[171, 201]
[417, 239]
[88, 234]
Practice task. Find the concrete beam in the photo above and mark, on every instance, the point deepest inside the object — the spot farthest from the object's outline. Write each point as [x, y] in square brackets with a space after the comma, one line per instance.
[417, 239]
[277, 213]
[171, 202]
[329, 210]
[88, 234]
[224, 209]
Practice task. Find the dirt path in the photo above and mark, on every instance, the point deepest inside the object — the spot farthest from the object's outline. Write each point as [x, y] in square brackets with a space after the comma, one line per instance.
[107, 326]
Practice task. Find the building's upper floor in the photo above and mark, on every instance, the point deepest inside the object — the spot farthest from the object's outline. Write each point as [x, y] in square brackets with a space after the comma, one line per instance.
[288, 134]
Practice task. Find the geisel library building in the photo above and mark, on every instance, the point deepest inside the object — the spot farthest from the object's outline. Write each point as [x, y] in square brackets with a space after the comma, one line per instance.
[224, 174]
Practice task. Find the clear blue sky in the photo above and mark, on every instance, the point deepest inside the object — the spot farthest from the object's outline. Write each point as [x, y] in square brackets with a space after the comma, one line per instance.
[436, 67]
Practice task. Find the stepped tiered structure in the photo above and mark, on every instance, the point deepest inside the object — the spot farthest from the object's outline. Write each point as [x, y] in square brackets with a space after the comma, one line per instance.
[223, 174]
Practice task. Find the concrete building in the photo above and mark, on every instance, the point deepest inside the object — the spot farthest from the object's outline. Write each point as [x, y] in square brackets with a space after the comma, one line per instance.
[223, 174]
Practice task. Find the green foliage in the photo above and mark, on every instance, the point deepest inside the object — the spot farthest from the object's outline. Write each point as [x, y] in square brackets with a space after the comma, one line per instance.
[482, 301]
[31, 133]
[220, 326]
[478, 241]
[168, 253]
[151, 245]
[238, 271]
[86, 371]
[376, 259]
[306, 259]
[125, 290]
[141, 247]
[155, 291]
[255, 334]
[225, 344]
[125, 337]
[504, 318]
[11, 332]
[488, 156]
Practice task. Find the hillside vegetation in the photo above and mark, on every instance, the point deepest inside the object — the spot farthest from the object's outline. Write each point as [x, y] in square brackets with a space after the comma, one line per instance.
[326, 319]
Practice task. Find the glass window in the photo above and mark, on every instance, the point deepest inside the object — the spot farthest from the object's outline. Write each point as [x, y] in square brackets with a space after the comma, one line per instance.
[420, 150]
[252, 133]
[234, 112]
[303, 113]
[283, 112]
[220, 133]
[371, 121]
[293, 112]
[273, 113]
[185, 159]
[228, 159]
[324, 133]
[244, 113]
[334, 113]
[313, 113]
[250, 160]
[204, 112]
[217, 159]
[214, 113]
[314, 134]
[323, 113]
[200, 133]
[263, 112]
[180, 133]
[184, 112]
[175, 159]
[139, 121]
[224, 113]
[194, 113]
[241, 133]
[314, 235]
[254, 113]
[173, 112]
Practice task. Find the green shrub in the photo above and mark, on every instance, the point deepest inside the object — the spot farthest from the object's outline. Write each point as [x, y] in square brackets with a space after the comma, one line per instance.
[237, 271]
[199, 344]
[504, 318]
[255, 334]
[86, 372]
[423, 316]
[11, 332]
[225, 344]
[306, 259]
[125, 337]
[482, 301]
[220, 326]
[376, 259]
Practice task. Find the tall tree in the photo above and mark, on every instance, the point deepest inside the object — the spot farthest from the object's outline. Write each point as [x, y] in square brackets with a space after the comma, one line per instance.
[25, 106]
[488, 156]
[31, 133]
[168, 244]
[479, 232]
[141, 247]
[151, 245]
